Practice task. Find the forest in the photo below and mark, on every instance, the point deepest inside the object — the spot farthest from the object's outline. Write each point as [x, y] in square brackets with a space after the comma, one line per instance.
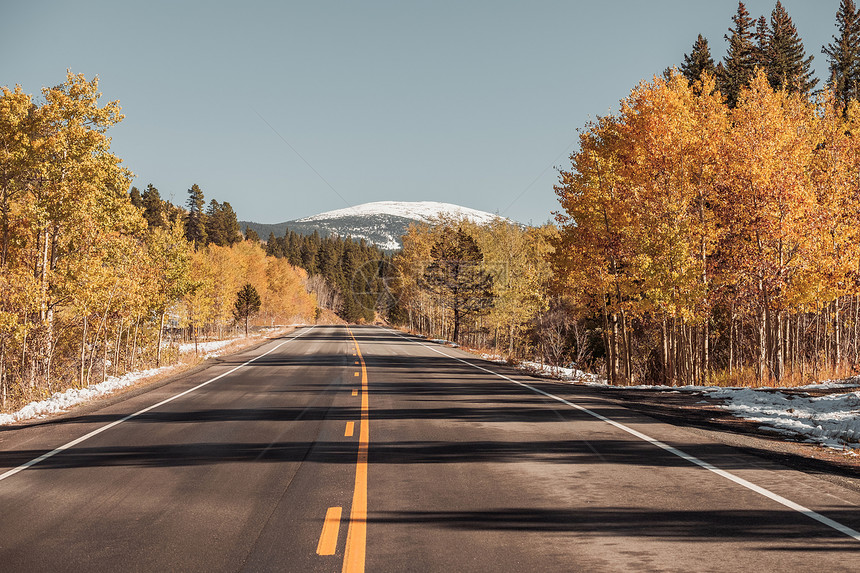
[97, 279]
[707, 234]
[708, 231]
[346, 276]
[498, 286]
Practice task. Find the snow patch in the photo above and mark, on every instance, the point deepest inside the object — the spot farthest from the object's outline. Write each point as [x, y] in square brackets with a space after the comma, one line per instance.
[567, 373]
[205, 348]
[832, 420]
[62, 401]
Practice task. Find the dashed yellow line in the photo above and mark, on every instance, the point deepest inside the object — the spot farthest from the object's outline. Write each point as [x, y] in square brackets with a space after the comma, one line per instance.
[356, 536]
[330, 530]
[354, 392]
[350, 428]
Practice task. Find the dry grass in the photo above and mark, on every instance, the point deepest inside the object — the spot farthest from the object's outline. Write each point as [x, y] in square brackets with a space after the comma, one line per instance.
[17, 400]
[748, 378]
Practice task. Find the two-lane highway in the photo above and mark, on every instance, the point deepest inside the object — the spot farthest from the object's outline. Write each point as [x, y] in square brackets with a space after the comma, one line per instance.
[349, 448]
[237, 473]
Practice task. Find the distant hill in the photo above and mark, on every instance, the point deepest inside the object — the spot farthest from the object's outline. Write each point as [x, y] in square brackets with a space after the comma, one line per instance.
[380, 222]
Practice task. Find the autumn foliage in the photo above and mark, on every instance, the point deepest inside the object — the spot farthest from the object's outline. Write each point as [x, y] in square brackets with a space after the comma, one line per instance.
[716, 242]
[499, 292]
[91, 281]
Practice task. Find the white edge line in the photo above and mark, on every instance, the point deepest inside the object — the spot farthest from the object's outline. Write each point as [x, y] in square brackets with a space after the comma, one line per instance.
[98, 431]
[692, 459]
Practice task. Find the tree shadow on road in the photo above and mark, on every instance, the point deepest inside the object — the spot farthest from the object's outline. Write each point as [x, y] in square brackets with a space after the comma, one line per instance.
[770, 527]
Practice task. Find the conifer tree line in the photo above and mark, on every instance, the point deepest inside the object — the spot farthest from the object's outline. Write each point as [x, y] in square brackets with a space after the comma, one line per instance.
[217, 224]
[347, 276]
[774, 45]
[97, 279]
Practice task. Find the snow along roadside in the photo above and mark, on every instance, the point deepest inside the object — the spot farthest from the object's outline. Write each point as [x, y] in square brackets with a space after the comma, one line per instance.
[60, 402]
[832, 421]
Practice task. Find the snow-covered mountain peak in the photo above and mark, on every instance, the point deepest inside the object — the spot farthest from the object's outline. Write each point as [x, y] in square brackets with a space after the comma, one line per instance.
[382, 223]
[424, 211]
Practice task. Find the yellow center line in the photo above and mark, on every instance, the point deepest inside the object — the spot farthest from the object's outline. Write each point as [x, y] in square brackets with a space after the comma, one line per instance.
[350, 427]
[355, 392]
[331, 527]
[356, 536]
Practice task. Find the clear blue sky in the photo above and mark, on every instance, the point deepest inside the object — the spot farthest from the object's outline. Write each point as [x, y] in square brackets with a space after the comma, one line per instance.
[464, 102]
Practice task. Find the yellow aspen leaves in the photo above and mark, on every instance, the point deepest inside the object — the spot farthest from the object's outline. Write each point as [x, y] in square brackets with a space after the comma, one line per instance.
[710, 234]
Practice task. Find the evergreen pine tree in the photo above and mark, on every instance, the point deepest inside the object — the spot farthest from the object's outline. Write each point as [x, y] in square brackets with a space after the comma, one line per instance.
[134, 197]
[251, 235]
[230, 225]
[327, 262]
[294, 249]
[719, 74]
[455, 273]
[788, 67]
[153, 207]
[762, 43]
[281, 247]
[272, 245]
[349, 310]
[214, 232]
[740, 60]
[222, 227]
[309, 255]
[844, 54]
[247, 303]
[195, 222]
[698, 62]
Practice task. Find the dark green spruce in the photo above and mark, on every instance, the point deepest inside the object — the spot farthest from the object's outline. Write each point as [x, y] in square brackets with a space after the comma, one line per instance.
[762, 43]
[153, 207]
[247, 304]
[787, 65]
[699, 61]
[222, 226]
[134, 197]
[843, 54]
[195, 222]
[456, 273]
[739, 64]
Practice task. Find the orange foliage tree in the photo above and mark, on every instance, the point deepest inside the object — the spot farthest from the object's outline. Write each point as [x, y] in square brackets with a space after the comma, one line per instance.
[710, 240]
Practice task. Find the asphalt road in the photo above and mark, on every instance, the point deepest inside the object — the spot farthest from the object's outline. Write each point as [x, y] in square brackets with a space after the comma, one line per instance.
[324, 452]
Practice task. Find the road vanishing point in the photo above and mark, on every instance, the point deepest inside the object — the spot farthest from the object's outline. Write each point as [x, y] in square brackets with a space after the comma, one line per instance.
[364, 449]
